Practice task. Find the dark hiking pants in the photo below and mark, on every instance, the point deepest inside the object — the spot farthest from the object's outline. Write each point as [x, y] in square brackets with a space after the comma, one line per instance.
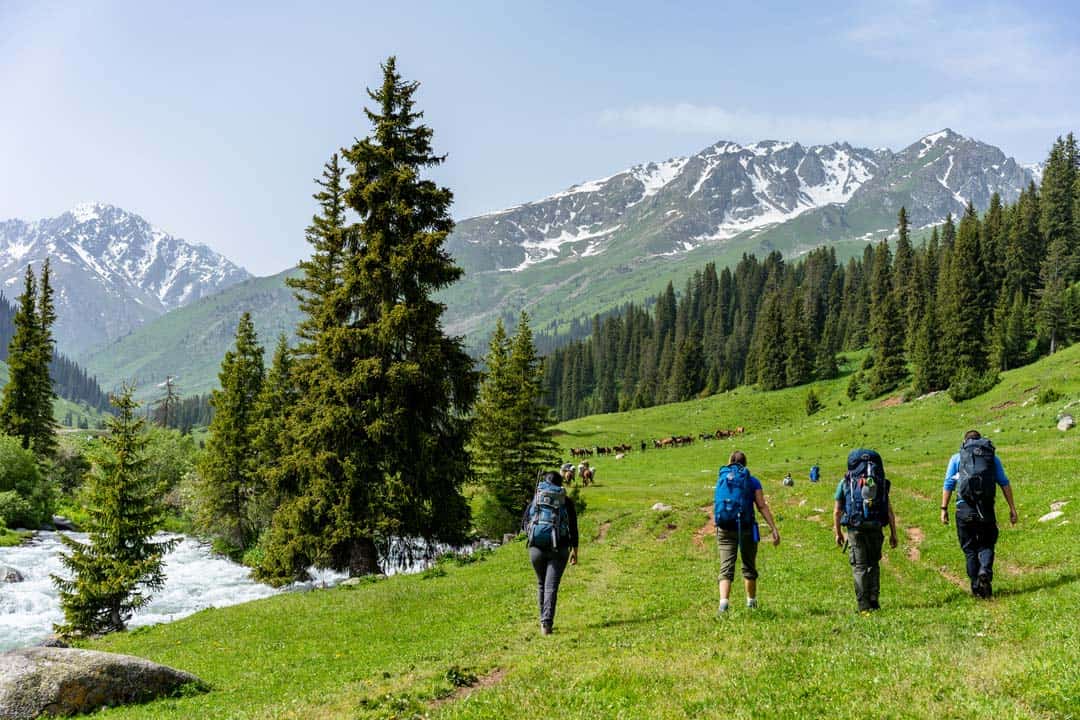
[865, 557]
[977, 539]
[549, 566]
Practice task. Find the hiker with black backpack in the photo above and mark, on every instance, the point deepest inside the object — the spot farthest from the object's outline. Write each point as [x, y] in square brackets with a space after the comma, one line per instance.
[975, 473]
[551, 533]
[863, 507]
[737, 494]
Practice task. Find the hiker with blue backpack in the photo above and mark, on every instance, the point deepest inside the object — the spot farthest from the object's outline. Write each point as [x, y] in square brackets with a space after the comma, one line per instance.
[737, 494]
[863, 507]
[975, 473]
[551, 533]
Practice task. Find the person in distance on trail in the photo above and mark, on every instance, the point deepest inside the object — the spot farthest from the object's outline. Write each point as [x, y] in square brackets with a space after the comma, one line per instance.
[863, 507]
[815, 473]
[737, 493]
[974, 473]
[551, 532]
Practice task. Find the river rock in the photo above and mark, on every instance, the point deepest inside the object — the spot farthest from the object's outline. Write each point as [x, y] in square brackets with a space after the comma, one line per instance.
[1053, 515]
[1066, 422]
[62, 523]
[661, 507]
[62, 681]
[10, 575]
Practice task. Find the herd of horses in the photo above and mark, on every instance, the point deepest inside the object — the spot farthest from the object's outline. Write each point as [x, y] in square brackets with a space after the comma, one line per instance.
[587, 473]
[670, 441]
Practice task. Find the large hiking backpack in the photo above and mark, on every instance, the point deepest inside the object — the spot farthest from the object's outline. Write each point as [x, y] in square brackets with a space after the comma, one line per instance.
[977, 476]
[733, 497]
[549, 521]
[866, 491]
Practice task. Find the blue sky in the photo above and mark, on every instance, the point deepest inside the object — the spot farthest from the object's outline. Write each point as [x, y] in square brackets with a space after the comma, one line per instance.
[212, 122]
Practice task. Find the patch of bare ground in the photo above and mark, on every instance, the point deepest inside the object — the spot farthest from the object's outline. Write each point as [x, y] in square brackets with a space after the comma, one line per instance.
[814, 518]
[666, 532]
[891, 402]
[1002, 406]
[602, 532]
[484, 681]
[919, 495]
[915, 537]
[952, 577]
[706, 530]
[1016, 569]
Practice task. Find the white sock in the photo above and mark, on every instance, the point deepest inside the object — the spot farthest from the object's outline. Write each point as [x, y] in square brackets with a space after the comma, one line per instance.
[723, 604]
[751, 602]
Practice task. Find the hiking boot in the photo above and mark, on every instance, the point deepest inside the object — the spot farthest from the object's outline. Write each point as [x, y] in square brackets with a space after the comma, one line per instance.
[723, 607]
[545, 629]
[751, 603]
[875, 605]
[982, 586]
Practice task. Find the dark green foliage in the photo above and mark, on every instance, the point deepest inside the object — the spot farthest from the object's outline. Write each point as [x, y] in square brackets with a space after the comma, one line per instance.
[26, 497]
[511, 441]
[886, 326]
[114, 574]
[68, 469]
[227, 471]
[276, 399]
[968, 383]
[813, 402]
[376, 438]
[854, 386]
[1047, 396]
[26, 409]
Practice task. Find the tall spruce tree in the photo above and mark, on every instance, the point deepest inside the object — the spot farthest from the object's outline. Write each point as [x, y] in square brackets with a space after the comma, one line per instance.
[114, 574]
[966, 311]
[377, 438]
[886, 326]
[228, 470]
[276, 398]
[26, 407]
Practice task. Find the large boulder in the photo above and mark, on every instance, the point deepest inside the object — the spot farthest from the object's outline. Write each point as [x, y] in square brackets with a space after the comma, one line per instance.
[62, 681]
[9, 574]
[1066, 423]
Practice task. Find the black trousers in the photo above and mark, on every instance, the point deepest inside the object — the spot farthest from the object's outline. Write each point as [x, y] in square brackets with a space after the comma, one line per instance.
[977, 536]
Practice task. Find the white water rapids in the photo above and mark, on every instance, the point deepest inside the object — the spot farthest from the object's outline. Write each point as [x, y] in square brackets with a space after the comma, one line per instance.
[195, 579]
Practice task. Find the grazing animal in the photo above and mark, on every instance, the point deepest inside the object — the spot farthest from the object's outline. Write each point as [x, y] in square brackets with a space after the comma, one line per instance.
[587, 474]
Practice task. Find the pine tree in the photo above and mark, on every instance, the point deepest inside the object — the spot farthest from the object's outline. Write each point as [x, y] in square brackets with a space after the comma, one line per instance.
[228, 470]
[886, 326]
[813, 402]
[377, 437]
[26, 408]
[277, 396]
[798, 367]
[965, 313]
[905, 278]
[115, 573]
[931, 367]
[769, 346]
[1056, 201]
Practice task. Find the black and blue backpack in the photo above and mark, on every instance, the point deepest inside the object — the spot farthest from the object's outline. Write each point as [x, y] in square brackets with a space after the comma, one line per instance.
[976, 479]
[549, 521]
[866, 491]
[733, 498]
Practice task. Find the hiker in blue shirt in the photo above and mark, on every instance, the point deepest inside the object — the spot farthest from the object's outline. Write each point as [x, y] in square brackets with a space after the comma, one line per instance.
[728, 531]
[974, 474]
[815, 473]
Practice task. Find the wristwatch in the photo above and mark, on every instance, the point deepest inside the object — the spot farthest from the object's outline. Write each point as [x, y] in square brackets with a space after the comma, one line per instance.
[945, 508]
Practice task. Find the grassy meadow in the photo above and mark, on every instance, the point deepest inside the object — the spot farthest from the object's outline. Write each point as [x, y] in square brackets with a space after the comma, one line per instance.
[637, 633]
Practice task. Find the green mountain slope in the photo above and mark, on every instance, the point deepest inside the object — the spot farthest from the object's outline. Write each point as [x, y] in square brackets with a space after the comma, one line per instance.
[189, 343]
[637, 635]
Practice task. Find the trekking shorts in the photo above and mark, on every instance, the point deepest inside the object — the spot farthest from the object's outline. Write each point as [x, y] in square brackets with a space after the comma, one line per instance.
[728, 542]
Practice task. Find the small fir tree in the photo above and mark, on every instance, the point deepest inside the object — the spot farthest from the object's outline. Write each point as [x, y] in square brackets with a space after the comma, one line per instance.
[813, 402]
[114, 574]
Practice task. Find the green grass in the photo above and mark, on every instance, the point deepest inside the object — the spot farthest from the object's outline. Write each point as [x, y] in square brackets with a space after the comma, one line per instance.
[11, 538]
[637, 634]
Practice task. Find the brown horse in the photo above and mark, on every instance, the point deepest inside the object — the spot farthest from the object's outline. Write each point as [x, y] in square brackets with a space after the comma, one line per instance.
[587, 474]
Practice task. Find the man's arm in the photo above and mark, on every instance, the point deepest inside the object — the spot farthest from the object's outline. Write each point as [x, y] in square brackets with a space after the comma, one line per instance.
[838, 510]
[1007, 492]
[892, 528]
[946, 495]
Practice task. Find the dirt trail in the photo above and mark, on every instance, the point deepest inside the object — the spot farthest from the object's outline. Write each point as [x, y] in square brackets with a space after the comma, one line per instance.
[602, 532]
[492, 678]
[915, 537]
[671, 527]
[706, 530]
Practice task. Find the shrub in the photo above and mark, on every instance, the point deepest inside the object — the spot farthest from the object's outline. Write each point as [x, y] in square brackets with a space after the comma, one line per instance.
[31, 500]
[968, 384]
[1047, 396]
[813, 402]
[491, 519]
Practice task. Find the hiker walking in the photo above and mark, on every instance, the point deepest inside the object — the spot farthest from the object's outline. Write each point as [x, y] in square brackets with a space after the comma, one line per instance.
[974, 473]
[551, 531]
[815, 473]
[862, 506]
[737, 493]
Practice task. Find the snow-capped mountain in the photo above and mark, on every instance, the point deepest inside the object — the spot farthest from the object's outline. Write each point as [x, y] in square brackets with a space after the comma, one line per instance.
[727, 190]
[112, 270]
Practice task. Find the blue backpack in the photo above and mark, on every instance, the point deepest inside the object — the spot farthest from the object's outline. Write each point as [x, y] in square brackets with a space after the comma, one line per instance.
[866, 491]
[976, 481]
[733, 498]
[549, 521]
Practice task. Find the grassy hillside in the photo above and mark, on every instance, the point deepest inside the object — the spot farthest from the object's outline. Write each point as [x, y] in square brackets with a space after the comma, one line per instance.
[637, 634]
[62, 407]
[189, 343]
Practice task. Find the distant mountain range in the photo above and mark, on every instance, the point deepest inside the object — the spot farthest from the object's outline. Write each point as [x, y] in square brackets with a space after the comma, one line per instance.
[725, 200]
[605, 242]
[113, 271]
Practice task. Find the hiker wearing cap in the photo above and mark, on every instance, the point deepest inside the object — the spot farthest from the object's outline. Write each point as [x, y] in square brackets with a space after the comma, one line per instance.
[737, 535]
[974, 474]
[863, 507]
[551, 532]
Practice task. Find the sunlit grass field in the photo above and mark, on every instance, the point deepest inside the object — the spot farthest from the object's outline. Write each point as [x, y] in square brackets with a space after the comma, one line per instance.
[637, 634]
